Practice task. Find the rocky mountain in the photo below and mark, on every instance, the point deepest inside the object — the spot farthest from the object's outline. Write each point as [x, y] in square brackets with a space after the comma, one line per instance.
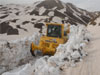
[96, 20]
[68, 11]
[25, 19]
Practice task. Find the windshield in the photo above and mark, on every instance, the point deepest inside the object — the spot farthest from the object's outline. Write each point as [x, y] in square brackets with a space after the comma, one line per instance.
[54, 31]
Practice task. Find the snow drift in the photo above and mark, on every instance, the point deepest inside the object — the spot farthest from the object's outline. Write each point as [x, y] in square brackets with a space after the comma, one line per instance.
[67, 55]
[16, 53]
[19, 19]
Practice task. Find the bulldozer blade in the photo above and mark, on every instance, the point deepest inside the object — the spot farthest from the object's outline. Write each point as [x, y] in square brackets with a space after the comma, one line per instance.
[32, 51]
[35, 50]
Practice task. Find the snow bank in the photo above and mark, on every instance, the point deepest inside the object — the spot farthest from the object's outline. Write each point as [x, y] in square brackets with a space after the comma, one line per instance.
[43, 67]
[67, 54]
[26, 70]
[16, 53]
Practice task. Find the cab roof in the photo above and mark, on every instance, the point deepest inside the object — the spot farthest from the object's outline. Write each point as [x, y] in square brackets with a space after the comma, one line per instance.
[54, 24]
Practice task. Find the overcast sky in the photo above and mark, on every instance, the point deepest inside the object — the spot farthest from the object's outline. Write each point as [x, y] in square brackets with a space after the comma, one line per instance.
[86, 4]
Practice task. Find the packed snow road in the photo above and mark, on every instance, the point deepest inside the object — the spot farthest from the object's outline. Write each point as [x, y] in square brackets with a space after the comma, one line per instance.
[91, 64]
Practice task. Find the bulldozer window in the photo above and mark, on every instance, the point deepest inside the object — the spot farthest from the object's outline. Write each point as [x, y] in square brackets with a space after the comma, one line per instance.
[54, 31]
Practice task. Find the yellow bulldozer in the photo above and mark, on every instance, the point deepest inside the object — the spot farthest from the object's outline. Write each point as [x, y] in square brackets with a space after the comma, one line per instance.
[55, 35]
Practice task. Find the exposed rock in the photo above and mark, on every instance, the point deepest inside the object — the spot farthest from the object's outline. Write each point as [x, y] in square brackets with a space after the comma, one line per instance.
[32, 22]
[49, 4]
[74, 14]
[1, 5]
[17, 13]
[33, 19]
[12, 31]
[46, 12]
[18, 26]
[59, 14]
[99, 24]
[25, 22]
[14, 20]
[4, 16]
[39, 25]
[35, 12]
[4, 26]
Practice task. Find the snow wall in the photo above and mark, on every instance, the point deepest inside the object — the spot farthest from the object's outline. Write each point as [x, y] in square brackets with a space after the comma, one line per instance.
[16, 53]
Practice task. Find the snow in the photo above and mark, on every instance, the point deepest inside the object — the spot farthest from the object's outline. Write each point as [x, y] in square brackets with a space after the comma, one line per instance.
[64, 5]
[69, 57]
[22, 18]
[54, 8]
[32, 7]
[97, 20]
[26, 70]
[66, 54]
[41, 10]
[42, 67]
[24, 15]
[79, 18]
[89, 66]
[56, 1]
[77, 13]
[86, 14]
[66, 26]
[63, 51]
[51, 13]
[16, 52]
[57, 19]
[44, 28]
[62, 10]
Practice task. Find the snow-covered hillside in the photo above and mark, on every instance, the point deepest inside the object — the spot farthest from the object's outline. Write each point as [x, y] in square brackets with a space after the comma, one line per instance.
[95, 21]
[21, 19]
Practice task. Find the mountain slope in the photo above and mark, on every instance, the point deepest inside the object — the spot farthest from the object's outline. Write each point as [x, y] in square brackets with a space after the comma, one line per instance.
[96, 20]
[74, 14]
[20, 19]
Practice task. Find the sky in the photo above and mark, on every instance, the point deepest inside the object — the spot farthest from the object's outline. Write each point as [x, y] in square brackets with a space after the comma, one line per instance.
[91, 5]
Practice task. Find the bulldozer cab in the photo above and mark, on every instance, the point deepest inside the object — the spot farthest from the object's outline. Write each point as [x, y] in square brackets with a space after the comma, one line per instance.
[55, 30]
